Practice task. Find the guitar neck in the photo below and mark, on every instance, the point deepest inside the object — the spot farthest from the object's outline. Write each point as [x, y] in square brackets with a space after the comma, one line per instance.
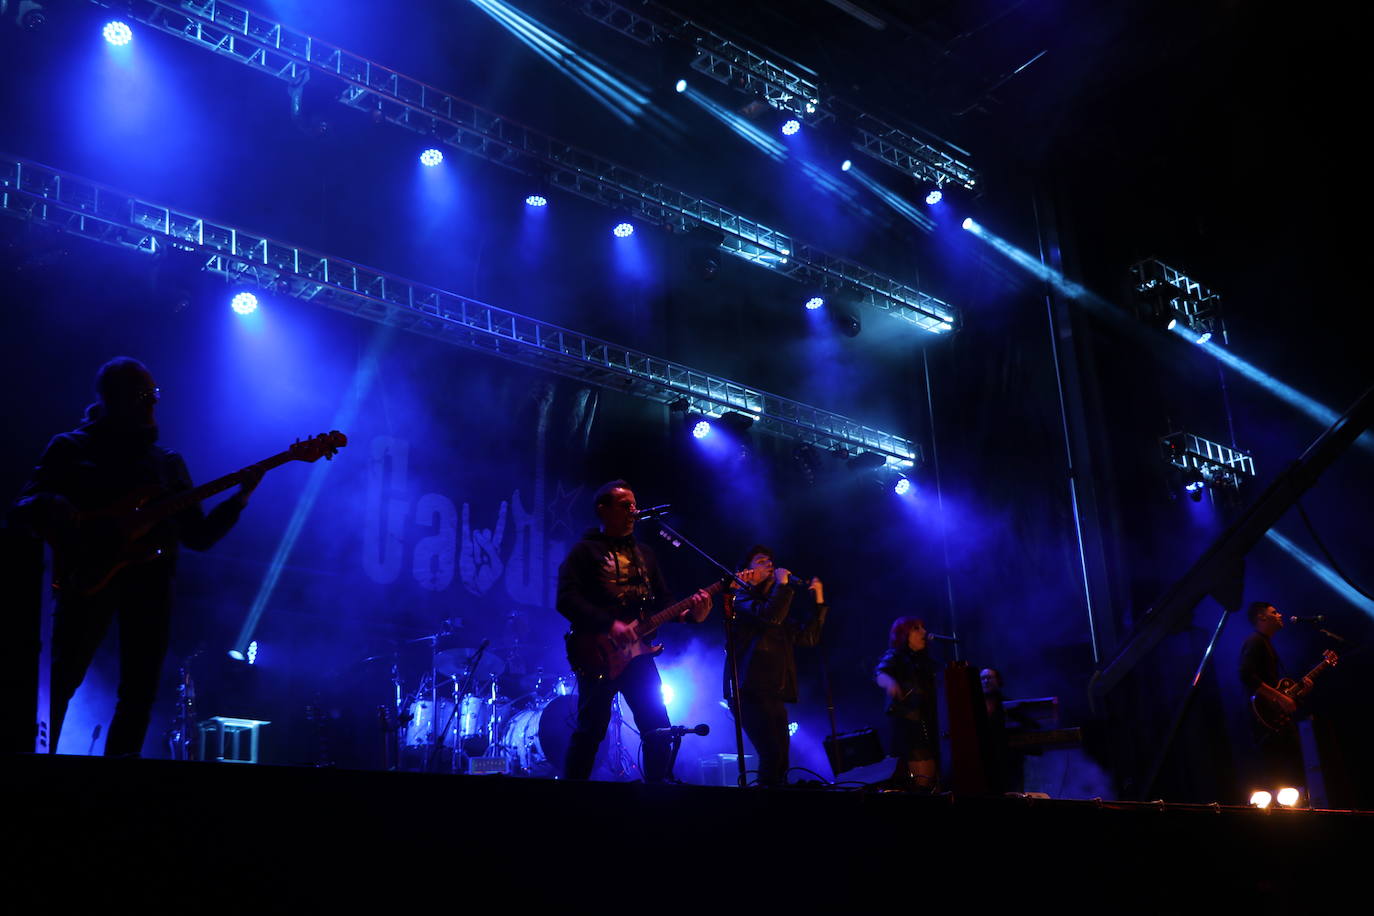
[166, 508]
[1301, 687]
[673, 611]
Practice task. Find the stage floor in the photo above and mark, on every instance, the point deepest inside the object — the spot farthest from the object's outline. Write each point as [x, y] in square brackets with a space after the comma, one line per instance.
[204, 836]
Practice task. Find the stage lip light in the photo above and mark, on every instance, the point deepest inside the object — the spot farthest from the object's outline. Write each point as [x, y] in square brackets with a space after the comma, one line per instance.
[1260, 798]
[934, 197]
[623, 230]
[537, 200]
[431, 157]
[790, 127]
[1287, 796]
[244, 303]
[814, 303]
[701, 430]
[680, 86]
[117, 33]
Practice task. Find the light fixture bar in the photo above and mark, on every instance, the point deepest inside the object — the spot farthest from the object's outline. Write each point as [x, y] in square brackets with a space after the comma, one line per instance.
[48, 197]
[270, 47]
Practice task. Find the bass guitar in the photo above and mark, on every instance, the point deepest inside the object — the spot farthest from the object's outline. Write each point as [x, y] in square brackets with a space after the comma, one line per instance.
[1269, 714]
[88, 553]
[603, 656]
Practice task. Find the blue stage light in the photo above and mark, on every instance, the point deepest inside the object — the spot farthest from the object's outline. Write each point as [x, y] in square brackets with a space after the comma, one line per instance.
[668, 693]
[1203, 337]
[431, 157]
[902, 487]
[701, 430]
[253, 652]
[815, 302]
[792, 729]
[934, 197]
[846, 165]
[1173, 323]
[117, 33]
[537, 200]
[244, 303]
[969, 224]
[681, 86]
[790, 127]
[623, 230]
[236, 655]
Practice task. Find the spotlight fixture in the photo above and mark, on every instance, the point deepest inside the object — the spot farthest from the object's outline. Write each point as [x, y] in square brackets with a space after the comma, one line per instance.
[934, 197]
[431, 157]
[1260, 798]
[790, 127]
[1287, 796]
[117, 33]
[244, 303]
[735, 421]
[1169, 299]
[680, 405]
[623, 230]
[815, 302]
[846, 165]
[902, 486]
[968, 223]
[1203, 337]
[680, 86]
[253, 652]
[1206, 465]
[702, 429]
[536, 200]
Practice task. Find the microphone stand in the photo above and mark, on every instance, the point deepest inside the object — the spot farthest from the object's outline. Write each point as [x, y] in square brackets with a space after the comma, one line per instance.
[677, 540]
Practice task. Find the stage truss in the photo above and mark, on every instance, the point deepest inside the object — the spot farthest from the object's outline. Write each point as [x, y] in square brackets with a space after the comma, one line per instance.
[786, 86]
[47, 197]
[272, 48]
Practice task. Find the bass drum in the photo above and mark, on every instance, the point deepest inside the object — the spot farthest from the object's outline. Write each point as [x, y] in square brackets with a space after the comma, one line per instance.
[537, 738]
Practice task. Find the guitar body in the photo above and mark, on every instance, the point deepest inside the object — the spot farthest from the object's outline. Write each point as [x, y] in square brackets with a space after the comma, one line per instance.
[88, 554]
[597, 655]
[1269, 714]
[102, 543]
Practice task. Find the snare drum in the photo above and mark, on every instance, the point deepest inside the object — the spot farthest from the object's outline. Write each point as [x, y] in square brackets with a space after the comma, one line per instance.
[420, 729]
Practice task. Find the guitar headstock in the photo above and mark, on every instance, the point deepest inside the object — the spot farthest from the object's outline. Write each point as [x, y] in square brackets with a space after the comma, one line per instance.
[325, 445]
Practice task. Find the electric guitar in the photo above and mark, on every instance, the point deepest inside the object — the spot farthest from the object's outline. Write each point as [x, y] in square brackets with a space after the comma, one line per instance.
[1268, 713]
[88, 553]
[603, 656]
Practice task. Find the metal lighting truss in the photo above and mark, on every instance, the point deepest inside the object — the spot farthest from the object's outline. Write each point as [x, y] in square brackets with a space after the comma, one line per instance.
[291, 56]
[1170, 294]
[69, 203]
[1219, 465]
[787, 87]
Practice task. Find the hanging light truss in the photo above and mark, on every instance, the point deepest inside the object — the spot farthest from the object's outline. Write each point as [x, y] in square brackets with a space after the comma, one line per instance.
[68, 203]
[1170, 297]
[786, 86]
[293, 57]
[1207, 463]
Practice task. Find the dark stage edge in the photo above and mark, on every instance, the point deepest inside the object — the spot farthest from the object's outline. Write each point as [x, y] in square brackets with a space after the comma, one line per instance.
[198, 837]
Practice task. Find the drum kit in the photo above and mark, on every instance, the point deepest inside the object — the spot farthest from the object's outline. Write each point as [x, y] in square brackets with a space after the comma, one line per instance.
[477, 709]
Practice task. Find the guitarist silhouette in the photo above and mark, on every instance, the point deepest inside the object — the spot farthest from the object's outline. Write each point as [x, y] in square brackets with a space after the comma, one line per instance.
[607, 587]
[1278, 755]
[112, 454]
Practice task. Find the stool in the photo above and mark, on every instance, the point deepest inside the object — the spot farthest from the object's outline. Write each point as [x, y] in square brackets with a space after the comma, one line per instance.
[225, 730]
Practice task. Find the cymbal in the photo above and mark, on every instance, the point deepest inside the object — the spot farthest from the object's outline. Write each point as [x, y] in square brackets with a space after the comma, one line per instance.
[454, 662]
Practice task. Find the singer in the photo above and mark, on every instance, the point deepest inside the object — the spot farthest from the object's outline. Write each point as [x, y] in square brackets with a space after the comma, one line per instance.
[908, 677]
[764, 634]
[1277, 755]
[605, 586]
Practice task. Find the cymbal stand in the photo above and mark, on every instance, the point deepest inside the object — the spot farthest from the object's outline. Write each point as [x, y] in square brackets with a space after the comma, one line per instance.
[618, 760]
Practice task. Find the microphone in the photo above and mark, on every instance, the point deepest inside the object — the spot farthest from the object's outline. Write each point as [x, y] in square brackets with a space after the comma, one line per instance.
[677, 731]
[1315, 619]
[653, 511]
[942, 637]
